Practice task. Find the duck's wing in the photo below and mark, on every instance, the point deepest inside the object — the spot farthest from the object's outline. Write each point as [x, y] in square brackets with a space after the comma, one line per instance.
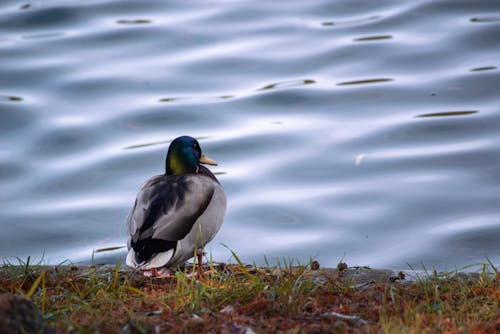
[165, 210]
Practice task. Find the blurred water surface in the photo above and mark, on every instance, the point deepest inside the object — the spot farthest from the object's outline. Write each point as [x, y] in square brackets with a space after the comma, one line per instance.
[366, 131]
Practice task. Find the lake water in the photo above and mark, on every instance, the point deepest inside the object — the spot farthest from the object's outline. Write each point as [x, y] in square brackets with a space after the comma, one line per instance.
[367, 131]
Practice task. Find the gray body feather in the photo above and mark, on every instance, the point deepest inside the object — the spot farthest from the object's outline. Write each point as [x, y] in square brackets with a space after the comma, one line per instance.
[182, 212]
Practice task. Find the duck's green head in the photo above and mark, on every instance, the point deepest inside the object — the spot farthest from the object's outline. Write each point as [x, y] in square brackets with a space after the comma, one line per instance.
[184, 156]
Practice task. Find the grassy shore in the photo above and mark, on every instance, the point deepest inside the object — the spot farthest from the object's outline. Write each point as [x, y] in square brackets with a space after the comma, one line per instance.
[245, 299]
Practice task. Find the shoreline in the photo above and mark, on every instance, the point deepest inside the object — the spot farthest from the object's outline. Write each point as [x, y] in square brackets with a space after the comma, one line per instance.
[362, 274]
[238, 298]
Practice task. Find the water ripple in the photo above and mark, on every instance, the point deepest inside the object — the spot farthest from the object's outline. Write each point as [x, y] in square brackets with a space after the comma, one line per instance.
[365, 81]
[136, 21]
[11, 98]
[365, 131]
[484, 68]
[449, 113]
[372, 38]
[286, 84]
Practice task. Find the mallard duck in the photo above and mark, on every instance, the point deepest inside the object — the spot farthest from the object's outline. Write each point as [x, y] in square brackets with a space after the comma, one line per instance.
[176, 214]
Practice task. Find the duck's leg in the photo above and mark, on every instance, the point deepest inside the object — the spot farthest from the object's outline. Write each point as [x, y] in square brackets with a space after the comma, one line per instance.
[201, 271]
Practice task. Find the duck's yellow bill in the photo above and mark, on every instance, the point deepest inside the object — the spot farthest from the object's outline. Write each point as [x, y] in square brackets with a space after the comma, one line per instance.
[206, 160]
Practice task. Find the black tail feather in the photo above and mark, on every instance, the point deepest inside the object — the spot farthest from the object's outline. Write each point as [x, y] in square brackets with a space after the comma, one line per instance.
[145, 249]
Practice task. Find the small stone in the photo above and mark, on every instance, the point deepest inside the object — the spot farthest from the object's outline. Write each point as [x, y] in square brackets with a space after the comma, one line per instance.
[20, 315]
[342, 266]
[197, 318]
[228, 309]
[277, 272]
[155, 312]
[497, 326]
[235, 328]
[340, 327]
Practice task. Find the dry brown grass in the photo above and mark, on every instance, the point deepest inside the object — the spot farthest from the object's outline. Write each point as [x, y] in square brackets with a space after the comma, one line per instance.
[241, 299]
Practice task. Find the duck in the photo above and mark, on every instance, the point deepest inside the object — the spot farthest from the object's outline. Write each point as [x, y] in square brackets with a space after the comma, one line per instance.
[177, 213]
